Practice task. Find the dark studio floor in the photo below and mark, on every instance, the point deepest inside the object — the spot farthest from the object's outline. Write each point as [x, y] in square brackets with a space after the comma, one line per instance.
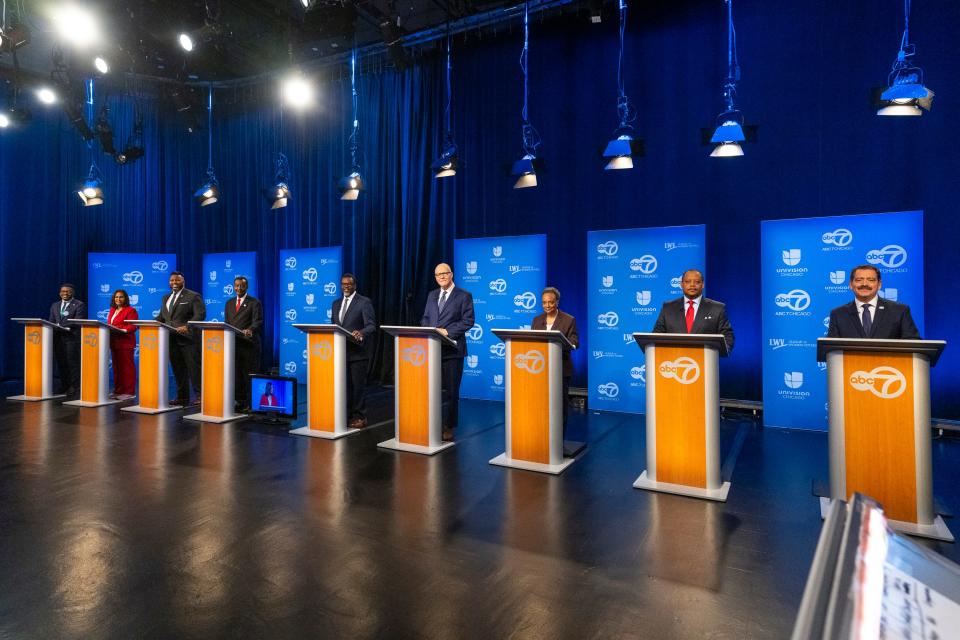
[114, 525]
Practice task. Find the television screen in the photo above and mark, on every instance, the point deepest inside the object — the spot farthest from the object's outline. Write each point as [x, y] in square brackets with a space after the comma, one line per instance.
[273, 395]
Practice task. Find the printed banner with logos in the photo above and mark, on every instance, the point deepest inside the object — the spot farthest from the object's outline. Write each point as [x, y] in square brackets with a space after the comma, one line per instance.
[805, 267]
[309, 283]
[506, 276]
[219, 270]
[630, 274]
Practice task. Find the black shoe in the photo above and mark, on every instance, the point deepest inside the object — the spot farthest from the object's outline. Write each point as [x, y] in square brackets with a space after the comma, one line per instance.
[179, 402]
[447, 435]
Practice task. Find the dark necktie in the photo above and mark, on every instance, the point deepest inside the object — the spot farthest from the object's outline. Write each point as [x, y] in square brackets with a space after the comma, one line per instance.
[866, 320]
[443, 301]
[690, 314]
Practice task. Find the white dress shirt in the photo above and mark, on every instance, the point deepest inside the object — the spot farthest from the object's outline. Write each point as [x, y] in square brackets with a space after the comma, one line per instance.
[873, 308]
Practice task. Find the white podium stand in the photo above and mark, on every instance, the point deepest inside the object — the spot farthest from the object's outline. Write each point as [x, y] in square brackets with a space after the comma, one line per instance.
[533, 412]
[418, 394]
[94, 363]
[218, 345]
[37, 360]
[326, 381]
[154, 358]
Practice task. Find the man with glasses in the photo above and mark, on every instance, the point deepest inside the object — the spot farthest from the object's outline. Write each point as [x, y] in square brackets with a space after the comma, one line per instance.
[450, 309]
[869, 315]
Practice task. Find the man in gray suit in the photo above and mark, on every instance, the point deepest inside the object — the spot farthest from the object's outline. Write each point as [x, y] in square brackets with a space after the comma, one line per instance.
[694, 313]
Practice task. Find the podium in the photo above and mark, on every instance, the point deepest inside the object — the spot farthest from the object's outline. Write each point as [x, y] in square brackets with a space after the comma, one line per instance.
[94, 363]
[879, 437]
[218, 346]
[533, 413]
[326, 381]
[417, 391]
[37, 359]
[683, 414]
[153, 396]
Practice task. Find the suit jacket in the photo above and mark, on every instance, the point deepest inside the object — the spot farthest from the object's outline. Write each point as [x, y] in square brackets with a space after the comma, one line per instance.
[189, 307]
[711, 318]
[76, 310]
[250, 316]
[123, 340]
[359, 317]
[567, 325]
[891, 320]
[457, 318]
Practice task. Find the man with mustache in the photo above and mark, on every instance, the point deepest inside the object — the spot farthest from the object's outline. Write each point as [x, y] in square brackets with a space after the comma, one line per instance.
[869, 315]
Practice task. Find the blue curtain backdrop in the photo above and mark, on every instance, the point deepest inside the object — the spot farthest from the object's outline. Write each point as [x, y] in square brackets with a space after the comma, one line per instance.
[808, 71]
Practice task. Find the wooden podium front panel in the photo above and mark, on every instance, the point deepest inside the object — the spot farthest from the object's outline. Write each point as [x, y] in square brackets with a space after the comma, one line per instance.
[213, 346]
[150, 367]
[878, 417]
[33, 361]
[320, 372]
[413, 389]
[681, 416]
[90, 364]
[529, 401]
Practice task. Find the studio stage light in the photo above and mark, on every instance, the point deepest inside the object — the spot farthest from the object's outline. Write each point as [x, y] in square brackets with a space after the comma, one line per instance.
[525, 171]
[186, 42]
[728, 137]
[90, 190]
[350, 186]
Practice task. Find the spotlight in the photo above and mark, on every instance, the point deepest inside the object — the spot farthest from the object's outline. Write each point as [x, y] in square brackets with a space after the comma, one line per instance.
[620, 151]
[297, 92]
[105, 133]
[392, 35]
[308, 4]
[209, 192]
[101, 65]
[74, 114]
[134, 148]
[728, 137]
[90, 190]
[525, 171]
[186, 42]
[906, 97]
[4, 121]
[46, 95]
[447, 164]
[76, 25]
[279, 194]
[596, 11]
[13, 38]
[350, 186]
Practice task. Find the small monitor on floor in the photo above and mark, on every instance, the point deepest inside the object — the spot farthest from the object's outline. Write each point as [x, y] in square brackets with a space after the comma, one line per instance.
[273, 398]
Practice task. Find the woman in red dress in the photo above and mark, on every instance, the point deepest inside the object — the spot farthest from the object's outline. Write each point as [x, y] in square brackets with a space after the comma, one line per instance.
[122, 346]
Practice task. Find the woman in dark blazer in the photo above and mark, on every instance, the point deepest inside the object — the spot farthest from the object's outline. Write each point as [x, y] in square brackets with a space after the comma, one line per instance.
[553, 318]
[122, 346]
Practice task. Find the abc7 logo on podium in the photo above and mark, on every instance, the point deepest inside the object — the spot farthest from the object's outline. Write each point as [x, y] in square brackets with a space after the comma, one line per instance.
[322, 350]
[532, 361]
[883, 382]
[684, 370]
[415, 355]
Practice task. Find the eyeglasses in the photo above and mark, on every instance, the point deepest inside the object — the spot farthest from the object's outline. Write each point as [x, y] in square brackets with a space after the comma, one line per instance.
[443, 273]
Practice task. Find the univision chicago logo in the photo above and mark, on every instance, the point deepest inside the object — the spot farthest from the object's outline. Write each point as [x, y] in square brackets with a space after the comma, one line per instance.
[892, 256]
[472, 267]
[838, 277]
[472, 361]
[793, 379]
[213, 276]
[890, 293]
[791, 258]
[684, 370]
[883, 382]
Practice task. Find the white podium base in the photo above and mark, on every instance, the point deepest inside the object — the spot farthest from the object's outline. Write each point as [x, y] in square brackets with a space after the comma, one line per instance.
[553, 469]
[719, 495]
[326, 435]
[81, 403]
[199, 417]
[396, 445]
[138, 409]
[35, 398]
[936, 531]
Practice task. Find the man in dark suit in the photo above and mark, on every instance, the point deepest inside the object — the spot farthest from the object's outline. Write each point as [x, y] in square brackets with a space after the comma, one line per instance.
[245, 313]
[450, 309]
[553, 318]
[178, 307]
[354, 313]
[66, 344]
[694, 313]
[869, 315]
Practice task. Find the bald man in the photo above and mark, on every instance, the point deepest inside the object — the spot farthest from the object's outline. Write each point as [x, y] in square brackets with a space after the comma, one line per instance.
[694, 313]
[450, 309]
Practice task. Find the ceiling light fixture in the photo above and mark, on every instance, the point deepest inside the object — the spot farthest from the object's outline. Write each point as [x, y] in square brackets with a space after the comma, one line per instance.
[90, 190]
[297, 91]
[76, 25]
[905, 94]
[279, 194]
[209, 191]
[101, 65]
[13, 37]
[729, 134]
[448, 162]
[620, 151]
[351, 185]
[525, 169]
[4, 121]
[46, 95]
[186, 41]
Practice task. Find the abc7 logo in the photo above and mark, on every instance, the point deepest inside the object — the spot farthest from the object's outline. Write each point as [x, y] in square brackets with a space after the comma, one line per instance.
[133, 277]
[33, 337]
[160, 265]
[148, 342]
[891, 256]
[644, 264]
[290, 367]
[309, 275]
[684, 370]
[90, 339]
[608, 389]
[498, 286]
[525, 300]
[415, 355]
[795, 300]
[608, 319]
[838, 237]
[883, 382]
[322, 350]
[533, 361]
[608, 248]
[290, 263]
[214, 344]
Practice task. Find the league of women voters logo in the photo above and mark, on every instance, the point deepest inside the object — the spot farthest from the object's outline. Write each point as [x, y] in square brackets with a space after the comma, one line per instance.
[532, 361]
[838, 237]
[608, 248]
[891, 256]
[684, 370]
[322, 350]
[214, 344]
[884, 382]
[415, 355]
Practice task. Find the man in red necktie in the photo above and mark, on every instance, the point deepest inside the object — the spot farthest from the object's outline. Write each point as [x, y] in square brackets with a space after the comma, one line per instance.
[693, 313]
[245, 313]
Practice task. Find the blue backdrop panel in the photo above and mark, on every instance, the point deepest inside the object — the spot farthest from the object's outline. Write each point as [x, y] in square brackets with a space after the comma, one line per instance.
[309, 283]
[144, 276]
[630, 273]
[219, 270]
[805, 270]
[505, 276]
